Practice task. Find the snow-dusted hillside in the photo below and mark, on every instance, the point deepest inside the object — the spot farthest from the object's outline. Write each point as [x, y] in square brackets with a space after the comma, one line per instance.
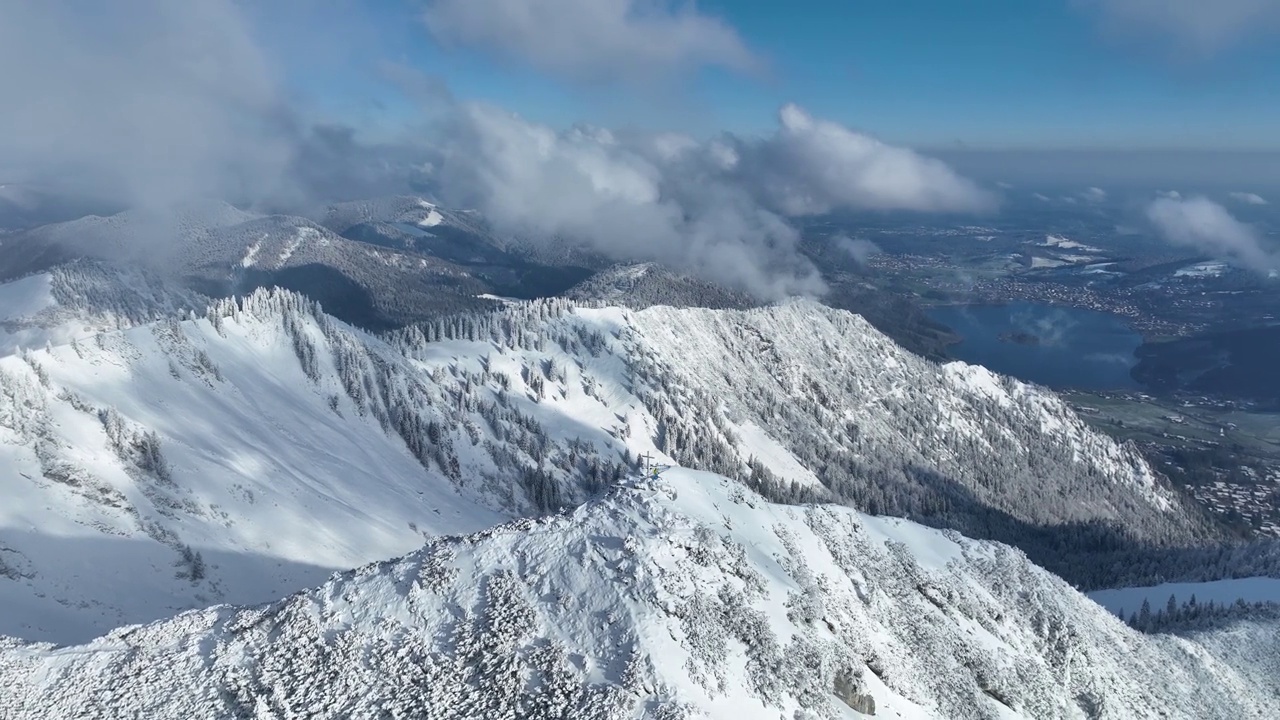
[219, 250]
[132, 237]
[407, 209]
[641, 285]
[685, 597]
[845, 397]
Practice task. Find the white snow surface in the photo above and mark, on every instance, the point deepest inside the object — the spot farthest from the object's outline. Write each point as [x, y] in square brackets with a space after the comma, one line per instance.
[684, 597]
[1043, 262]
[432, 219]
[1065, 243]
[1101, 269]
[1205, 269]
[1077, 259]
[249, 454]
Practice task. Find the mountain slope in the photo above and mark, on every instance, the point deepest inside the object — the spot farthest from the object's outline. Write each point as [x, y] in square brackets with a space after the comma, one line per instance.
[834, 389]
[181, 464]
[509, 266]
[267, 443]
[371, 286]
[133, 237]
[685, 597]
[646, 284]
[810, 403]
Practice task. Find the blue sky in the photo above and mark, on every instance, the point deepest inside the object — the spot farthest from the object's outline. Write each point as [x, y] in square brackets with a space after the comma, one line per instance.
[705, 130]
[927, 73]
[1007, 73]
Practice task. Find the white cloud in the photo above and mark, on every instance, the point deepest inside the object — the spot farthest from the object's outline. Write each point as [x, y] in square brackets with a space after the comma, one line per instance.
[1040, 196]
[1202, 27]
[1199, 222]
[153, 99]
[618, 197]
[1249, 198]
[152, 102]
[1094, 194]
[1171, 194]
[860, 249]
[717, 208]
[591, 39]
[813, 166]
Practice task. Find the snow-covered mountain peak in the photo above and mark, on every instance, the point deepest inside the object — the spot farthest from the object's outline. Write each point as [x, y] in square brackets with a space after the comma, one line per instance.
[186, 463]
[685, 597]
[131, 231]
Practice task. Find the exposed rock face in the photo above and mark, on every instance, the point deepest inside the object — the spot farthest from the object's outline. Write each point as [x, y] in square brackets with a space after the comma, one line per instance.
[847, 687]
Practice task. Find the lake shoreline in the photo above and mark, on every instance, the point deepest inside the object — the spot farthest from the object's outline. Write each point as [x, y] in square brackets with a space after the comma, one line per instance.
[1076, 348]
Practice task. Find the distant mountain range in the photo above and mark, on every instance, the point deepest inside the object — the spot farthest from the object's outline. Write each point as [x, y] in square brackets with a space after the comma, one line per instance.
[387, 262]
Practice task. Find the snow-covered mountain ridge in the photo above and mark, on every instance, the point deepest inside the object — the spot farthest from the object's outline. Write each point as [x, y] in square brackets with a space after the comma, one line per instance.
[685, 597]
[248, 453]
[810, 403]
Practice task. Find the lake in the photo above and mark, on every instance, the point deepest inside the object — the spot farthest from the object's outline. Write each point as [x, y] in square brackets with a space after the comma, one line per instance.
[1050, 345]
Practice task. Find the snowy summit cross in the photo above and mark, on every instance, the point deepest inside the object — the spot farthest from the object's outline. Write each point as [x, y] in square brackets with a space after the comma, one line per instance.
[651, 469]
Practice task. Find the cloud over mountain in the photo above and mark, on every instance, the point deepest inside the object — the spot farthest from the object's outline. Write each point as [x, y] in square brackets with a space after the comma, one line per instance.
[152, 100]
[812, 166]
[719, 207]
[1201, 223]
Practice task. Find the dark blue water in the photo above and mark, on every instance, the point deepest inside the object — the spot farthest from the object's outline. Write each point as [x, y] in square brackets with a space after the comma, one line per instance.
[1074, 348]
